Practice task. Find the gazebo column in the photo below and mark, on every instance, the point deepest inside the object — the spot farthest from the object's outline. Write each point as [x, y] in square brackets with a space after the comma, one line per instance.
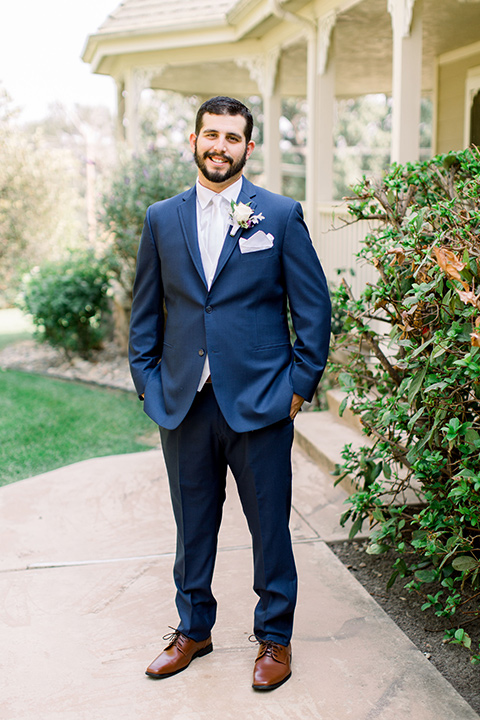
[272, 107]
[272, 110]
[321, 104]
[407, 79]
[120, 127]
[136, 80]
[130, 116]
[263, 69]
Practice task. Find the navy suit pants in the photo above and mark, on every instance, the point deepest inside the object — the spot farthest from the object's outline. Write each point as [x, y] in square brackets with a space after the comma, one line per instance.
[197, 455]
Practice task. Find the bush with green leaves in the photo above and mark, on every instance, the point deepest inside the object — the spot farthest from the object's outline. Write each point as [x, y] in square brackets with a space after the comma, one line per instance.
[140, 181]
[69, 302]
[413, 377]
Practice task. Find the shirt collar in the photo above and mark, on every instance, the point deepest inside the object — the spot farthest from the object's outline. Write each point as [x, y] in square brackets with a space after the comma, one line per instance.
[230, 193]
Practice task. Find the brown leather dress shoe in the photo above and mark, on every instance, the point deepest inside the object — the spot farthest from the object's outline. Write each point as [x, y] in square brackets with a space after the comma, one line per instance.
[272, 666]
[178, 655]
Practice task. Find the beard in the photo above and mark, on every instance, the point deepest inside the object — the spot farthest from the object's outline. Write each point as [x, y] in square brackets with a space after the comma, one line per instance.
[219, 176]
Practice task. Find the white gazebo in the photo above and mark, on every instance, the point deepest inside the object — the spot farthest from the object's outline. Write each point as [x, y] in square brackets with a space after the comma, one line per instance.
[317, 49]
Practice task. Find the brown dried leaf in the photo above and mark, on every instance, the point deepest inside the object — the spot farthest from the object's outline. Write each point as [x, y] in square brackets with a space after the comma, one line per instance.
[468, 296]
[399, 255]
[407, 327]
[450, 264]
[475, 336]
[475, 339]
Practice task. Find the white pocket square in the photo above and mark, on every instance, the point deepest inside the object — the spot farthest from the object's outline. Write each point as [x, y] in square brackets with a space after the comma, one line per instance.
[257, 241]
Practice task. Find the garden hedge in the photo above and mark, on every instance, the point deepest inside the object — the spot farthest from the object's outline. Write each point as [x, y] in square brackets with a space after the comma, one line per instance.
[413, 377]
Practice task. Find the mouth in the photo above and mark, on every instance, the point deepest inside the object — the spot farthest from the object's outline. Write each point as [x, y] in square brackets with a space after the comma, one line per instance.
[218, 160]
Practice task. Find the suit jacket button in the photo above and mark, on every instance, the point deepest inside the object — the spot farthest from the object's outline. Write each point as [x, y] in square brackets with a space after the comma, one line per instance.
[201, 352]
[208, 309]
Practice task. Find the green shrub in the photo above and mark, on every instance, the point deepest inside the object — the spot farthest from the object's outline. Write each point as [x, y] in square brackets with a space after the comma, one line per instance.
[139, 182]
[69, 302]
[414, 377]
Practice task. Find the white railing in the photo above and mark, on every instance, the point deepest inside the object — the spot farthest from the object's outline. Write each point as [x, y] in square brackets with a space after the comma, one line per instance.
[337, 241]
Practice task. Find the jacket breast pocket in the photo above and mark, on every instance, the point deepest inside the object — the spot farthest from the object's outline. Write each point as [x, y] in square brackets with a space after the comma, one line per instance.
[256, 255]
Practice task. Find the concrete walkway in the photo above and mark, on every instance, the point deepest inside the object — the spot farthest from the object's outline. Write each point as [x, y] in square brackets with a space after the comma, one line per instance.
[86, 594]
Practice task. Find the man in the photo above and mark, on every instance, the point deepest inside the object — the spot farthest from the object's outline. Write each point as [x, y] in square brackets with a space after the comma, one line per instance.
[211, 356]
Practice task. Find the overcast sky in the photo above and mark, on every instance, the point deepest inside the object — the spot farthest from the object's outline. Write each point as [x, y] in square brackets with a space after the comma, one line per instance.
[40, 46]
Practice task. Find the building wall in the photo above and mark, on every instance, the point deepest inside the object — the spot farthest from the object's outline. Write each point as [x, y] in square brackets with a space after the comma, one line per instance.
[452, 78]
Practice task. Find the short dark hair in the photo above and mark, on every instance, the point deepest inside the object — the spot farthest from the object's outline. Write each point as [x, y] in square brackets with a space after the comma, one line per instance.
[222, 105]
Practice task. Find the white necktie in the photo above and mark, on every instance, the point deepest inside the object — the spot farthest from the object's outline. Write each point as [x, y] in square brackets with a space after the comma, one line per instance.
[215, 235]
[213, 243]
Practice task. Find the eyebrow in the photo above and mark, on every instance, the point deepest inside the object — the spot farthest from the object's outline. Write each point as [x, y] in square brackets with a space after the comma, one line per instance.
[229, 132]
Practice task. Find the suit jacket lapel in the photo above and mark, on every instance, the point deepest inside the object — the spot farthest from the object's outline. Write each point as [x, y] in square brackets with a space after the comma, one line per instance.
[247, 193]
[187, 213]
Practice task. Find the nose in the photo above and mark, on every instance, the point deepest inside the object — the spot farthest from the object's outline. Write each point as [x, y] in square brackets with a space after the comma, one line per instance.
[220, 145]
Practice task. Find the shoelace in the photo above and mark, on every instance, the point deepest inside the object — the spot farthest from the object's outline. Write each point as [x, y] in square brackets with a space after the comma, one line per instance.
[173, 638]
[267, 647]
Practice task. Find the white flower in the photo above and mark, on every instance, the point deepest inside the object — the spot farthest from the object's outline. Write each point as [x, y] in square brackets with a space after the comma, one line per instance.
[242, 216]
[242, 213]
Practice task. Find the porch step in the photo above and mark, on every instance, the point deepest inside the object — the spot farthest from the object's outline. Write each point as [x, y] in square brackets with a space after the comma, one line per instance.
[322, 435]
[335, 398]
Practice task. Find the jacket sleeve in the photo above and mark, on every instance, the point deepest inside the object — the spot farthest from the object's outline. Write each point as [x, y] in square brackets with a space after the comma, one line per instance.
[147, 317]
[310, 305]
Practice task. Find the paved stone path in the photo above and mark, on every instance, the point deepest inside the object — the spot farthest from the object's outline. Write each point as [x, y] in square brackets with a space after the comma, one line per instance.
[86, 594]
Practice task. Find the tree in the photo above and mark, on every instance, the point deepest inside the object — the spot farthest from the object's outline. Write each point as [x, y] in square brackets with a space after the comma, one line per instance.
[138, 182]
[39, 205]
[362, 134]
[166, 120]
[87, 134]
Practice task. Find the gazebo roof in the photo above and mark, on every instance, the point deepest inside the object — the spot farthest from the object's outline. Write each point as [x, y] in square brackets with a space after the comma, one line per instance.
[135, 16]
[196, 43]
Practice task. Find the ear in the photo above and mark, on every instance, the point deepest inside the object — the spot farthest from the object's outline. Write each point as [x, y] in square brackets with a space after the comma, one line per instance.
[250, 148]
[192, 140]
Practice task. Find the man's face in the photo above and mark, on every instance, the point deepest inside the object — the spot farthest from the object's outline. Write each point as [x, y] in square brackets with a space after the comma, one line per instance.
[220, 150]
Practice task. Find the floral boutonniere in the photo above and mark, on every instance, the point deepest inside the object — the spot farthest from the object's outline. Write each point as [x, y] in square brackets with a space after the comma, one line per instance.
[242, 216]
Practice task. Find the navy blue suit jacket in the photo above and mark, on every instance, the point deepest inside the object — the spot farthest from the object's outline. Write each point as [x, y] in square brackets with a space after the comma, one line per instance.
[241, 322]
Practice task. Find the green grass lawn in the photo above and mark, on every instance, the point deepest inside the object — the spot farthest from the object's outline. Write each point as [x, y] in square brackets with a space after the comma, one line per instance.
[47, 423]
